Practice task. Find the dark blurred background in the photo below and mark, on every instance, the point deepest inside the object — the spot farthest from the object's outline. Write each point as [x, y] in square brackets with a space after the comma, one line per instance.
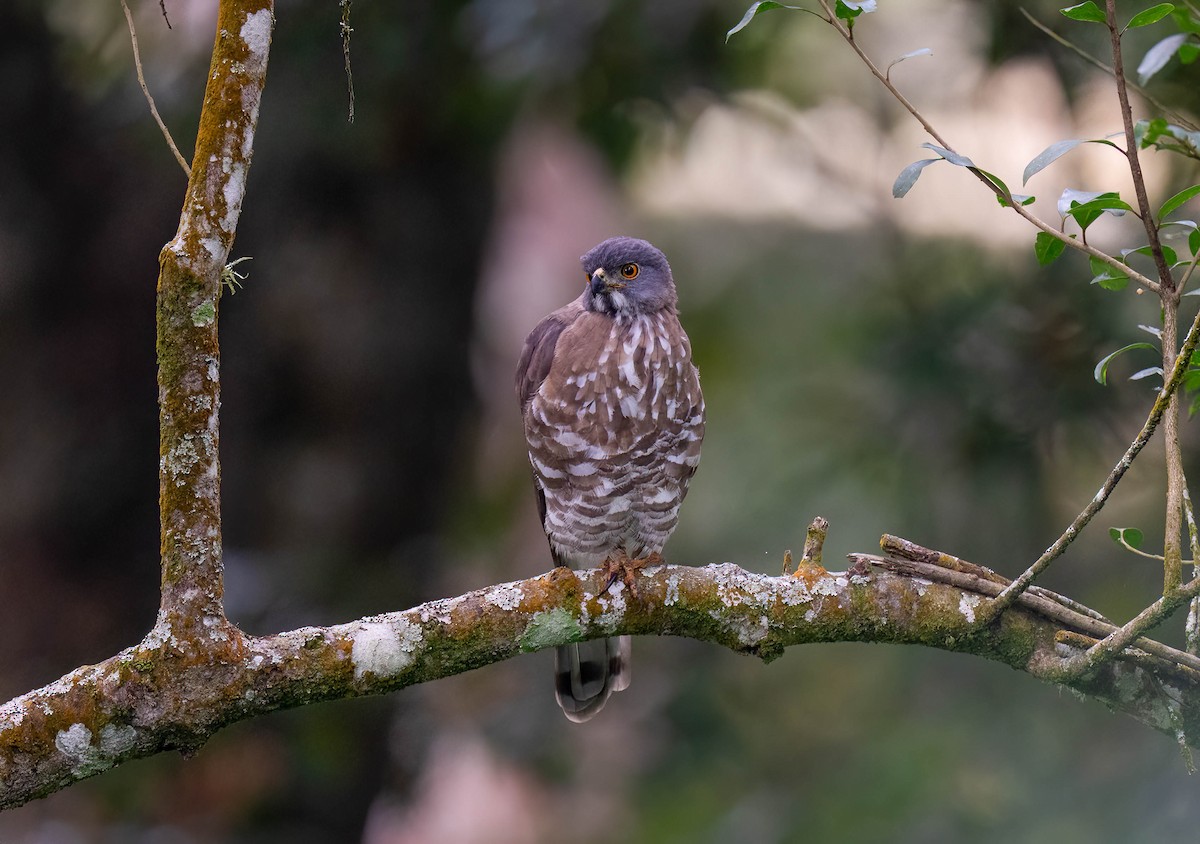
[895, 366]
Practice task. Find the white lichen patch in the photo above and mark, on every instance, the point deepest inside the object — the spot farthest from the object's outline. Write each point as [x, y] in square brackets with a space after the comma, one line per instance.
[672, 597]
[256, 34]
[749, 631]
[506, 596]
[185, 455]
[793, 591]
[829, 586]
[12, 713]
[384, 649]
[74, 742]
[612, 606]
[115, 739]
[736, 586]
[201, 402]
[439, 610]
[233, 191]
[967, 604]
[213, 247]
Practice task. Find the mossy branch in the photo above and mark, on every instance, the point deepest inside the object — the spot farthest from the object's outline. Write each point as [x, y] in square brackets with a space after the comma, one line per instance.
[162, 695]
[189, 288]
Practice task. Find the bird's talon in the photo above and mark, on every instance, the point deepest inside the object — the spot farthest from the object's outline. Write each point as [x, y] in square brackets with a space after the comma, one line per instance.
[624, 568]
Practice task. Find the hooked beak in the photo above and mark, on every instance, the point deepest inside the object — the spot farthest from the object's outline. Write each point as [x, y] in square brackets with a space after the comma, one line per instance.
[601, 283]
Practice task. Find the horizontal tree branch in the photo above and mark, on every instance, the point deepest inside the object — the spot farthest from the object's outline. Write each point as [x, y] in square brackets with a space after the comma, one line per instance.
[163, 695]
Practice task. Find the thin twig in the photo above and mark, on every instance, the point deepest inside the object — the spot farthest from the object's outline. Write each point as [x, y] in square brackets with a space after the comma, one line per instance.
[1052, 610]
[137, 61]
[906, 549]
[1092, 60]
[346, 30]
[1005, 196]
[1006, 598]
[1135, 655]
[1118, 640]
[1172, 553]
[162, 4]
[1135, 165]
[1187, 276]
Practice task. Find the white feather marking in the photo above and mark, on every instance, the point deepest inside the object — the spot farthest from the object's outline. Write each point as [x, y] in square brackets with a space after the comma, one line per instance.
[635, 336]
[544, 470]
[630, 407]
[663, 496]
[629, 373]
[581, 470]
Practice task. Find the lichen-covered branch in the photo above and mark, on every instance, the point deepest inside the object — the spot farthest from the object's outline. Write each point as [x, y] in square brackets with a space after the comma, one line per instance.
[188, 353]
[154, 697]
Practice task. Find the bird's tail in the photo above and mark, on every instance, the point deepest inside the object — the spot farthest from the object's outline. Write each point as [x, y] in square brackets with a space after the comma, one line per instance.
[586, 673]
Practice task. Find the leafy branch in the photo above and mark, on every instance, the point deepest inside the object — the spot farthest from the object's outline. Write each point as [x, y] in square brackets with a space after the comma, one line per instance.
[1109, 271]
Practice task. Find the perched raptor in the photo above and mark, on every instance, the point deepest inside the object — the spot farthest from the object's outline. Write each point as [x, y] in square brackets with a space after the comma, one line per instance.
[614, 418]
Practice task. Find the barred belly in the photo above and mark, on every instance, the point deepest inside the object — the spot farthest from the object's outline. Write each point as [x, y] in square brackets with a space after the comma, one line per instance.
[615, 436]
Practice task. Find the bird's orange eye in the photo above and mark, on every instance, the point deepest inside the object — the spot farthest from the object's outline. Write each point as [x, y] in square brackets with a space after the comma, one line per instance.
[629, 271]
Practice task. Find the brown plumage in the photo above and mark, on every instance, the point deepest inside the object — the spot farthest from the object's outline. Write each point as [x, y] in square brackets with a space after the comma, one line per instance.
[614, 419]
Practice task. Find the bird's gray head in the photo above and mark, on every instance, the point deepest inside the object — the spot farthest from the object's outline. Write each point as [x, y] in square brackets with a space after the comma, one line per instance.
[627, 277]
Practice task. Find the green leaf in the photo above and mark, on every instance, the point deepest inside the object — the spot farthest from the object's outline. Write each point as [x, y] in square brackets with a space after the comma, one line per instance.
[1156, 57]
[1127, 536]
[1086, 206]
[755, 8]
[1177, 200]
[1168, 253]
[1101, 372]
[1188, 52]
[1047, 247]
[1194, 241]
[1152, 15]
[1088, 11]
[1055, 151]
[909, 175]
[1110, 278]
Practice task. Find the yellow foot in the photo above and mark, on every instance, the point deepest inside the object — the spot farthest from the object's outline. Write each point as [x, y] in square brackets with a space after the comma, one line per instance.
[621, 567]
